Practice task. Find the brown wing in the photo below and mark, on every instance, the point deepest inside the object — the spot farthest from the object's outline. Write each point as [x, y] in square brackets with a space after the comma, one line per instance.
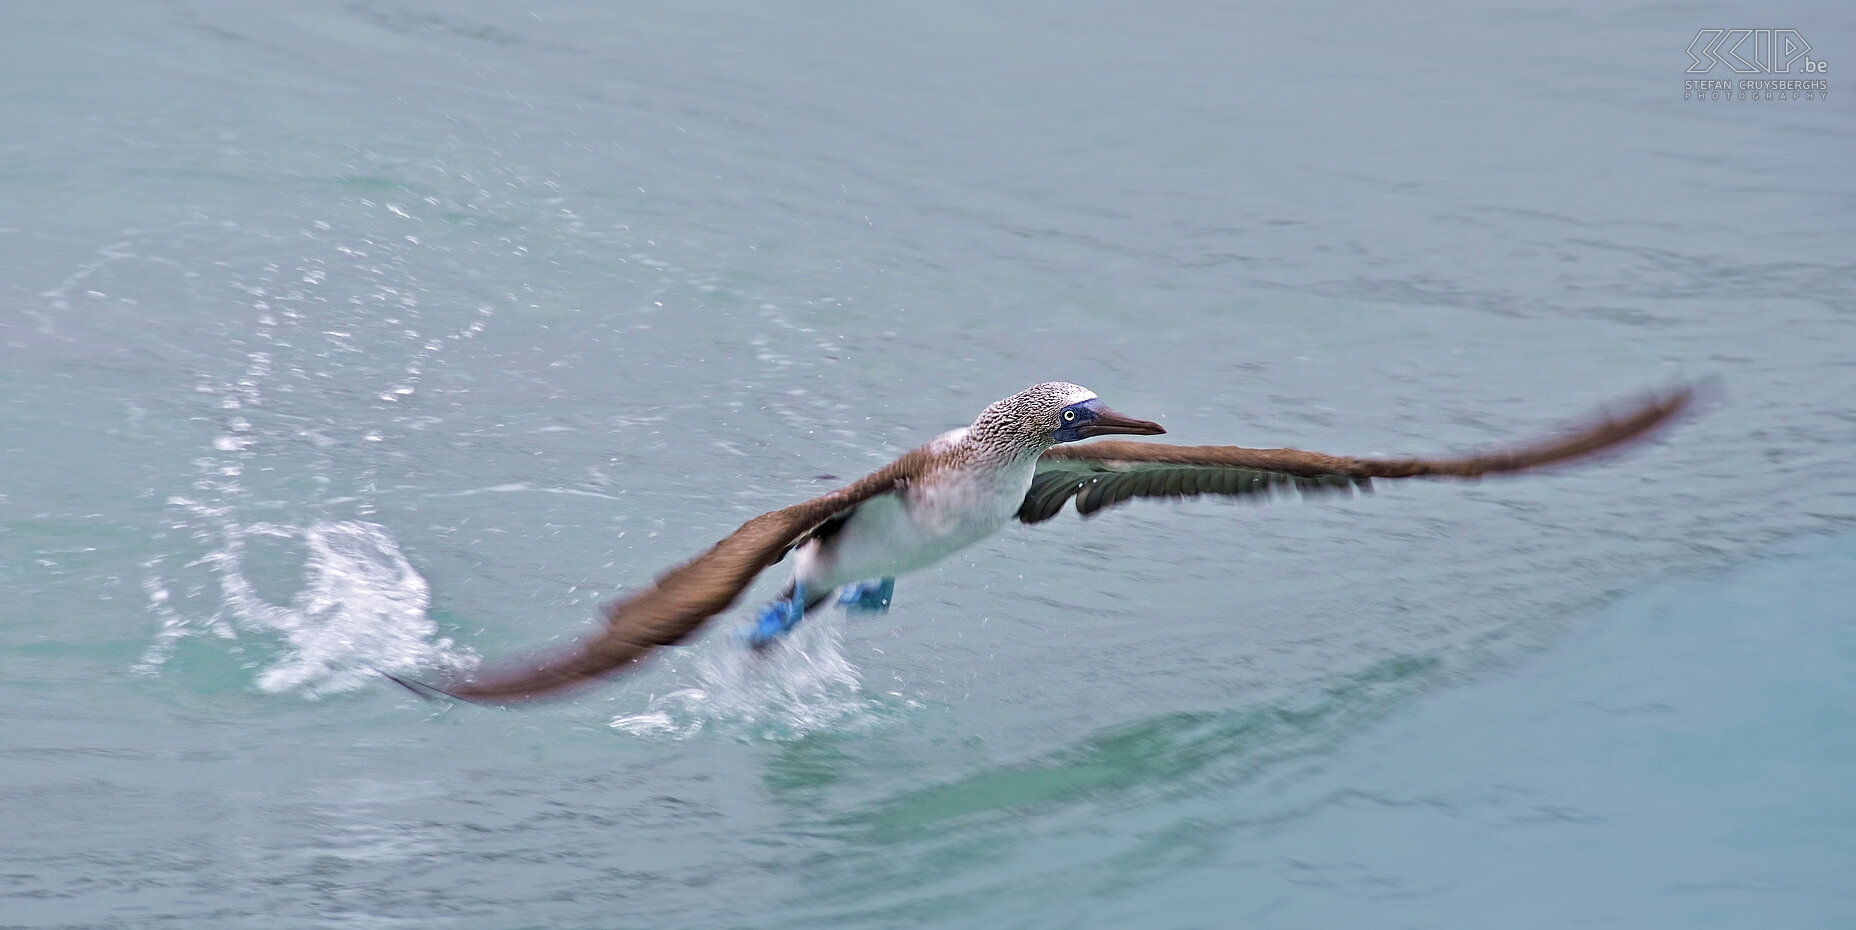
[1104, 474]
[675, 605]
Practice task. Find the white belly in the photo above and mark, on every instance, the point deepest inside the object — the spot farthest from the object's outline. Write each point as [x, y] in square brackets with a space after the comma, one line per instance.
[913, 529]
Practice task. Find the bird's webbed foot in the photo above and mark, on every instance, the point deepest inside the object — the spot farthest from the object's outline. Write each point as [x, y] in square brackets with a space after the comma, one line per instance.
[776, 619]
[868, 597]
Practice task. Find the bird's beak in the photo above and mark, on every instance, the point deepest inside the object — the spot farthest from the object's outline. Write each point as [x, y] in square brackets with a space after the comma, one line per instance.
[1109, 423]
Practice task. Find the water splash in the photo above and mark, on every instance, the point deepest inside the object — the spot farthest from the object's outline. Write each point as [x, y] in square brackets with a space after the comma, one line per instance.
[357, 606]
[802, 685]
[335, 592]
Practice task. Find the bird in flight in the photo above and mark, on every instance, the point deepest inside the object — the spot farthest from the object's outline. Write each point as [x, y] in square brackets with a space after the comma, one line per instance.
[1017, 461]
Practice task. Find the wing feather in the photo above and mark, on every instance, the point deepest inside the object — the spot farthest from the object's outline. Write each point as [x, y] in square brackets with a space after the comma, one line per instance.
[680, 601]
[1103, 474]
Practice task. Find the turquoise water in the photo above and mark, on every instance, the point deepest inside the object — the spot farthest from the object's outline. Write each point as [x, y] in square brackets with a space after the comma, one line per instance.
[348, 336]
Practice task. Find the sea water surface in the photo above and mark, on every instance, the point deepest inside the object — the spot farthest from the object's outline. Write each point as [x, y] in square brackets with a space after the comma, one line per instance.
[399, 335]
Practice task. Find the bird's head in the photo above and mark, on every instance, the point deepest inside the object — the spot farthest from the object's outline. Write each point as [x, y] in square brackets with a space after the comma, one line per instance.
[1057, 411]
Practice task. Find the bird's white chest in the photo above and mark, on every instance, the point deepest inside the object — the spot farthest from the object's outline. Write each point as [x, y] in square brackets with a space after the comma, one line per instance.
[923, 524]
[969, 504]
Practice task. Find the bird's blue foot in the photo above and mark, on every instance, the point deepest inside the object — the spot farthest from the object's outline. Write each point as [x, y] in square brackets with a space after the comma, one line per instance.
[868, 597]
[776, 619]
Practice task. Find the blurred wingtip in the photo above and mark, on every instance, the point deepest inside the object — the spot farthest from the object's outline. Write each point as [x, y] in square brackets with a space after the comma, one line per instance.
[1682, 400]
[420, 688]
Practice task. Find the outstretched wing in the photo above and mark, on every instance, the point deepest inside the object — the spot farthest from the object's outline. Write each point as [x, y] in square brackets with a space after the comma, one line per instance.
[1104, 474]
[677, 603]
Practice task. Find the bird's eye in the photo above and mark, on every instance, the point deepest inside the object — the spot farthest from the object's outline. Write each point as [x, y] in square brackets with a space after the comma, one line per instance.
[1069, 415]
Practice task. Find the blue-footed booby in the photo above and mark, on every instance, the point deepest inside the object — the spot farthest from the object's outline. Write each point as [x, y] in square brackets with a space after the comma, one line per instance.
[1016, 460]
